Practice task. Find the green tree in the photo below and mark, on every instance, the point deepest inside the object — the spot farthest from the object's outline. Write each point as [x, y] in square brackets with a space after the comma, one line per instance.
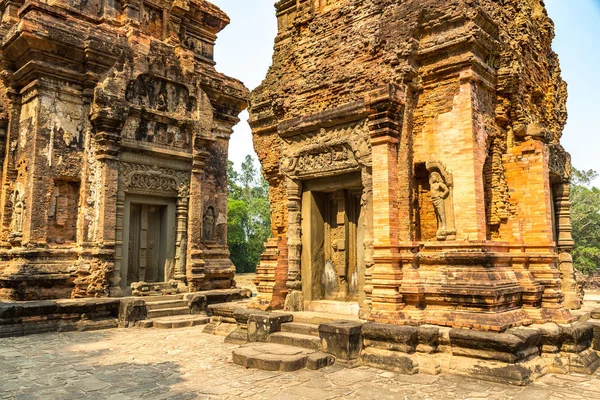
[249, 215]
[585, 215]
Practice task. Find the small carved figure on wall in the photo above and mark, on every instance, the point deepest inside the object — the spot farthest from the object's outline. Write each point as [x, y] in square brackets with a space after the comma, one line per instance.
[439, 194]
[17, 215]
[208, 228]
[189, 42]
[161, 103]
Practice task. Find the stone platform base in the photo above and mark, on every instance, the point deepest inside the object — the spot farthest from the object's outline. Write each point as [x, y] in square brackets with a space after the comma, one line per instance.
[38, 274]
[518, 356]
[18, 318]
[174, 322]
[30, 317]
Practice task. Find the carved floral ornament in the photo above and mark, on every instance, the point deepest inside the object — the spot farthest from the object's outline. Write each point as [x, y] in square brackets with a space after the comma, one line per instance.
[154, 179]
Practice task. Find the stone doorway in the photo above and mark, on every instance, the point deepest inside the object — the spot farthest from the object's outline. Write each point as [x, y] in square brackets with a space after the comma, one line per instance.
[148, 241]
[332, 246]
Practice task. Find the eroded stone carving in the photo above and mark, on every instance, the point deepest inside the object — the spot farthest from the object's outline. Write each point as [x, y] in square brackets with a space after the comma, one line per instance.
[439, 194]
[18, 208]
[326, 152]
[152, 179]
[441, 187]
[209, 224]
[159, 94]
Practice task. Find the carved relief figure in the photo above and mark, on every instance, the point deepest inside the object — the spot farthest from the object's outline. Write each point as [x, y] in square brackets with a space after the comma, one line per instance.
[208, 226]
[17, 214]
[439, 194]
[155, 93]
[161, 102]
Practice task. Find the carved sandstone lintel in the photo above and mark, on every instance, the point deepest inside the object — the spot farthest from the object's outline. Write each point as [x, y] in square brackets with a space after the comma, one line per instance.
[327, 152]
[143, 178]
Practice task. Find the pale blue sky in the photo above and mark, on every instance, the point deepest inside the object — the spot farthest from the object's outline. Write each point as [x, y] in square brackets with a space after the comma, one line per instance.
[245, 47]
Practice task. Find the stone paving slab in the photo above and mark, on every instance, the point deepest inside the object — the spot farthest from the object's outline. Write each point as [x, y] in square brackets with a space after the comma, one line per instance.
[127, 364]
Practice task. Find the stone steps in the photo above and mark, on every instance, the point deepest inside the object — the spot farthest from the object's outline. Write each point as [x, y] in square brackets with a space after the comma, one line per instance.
[301, 328]
[157, 299]
[168, 312]
[174, 322]
[295, 339]
[277, 357]
[161, 305]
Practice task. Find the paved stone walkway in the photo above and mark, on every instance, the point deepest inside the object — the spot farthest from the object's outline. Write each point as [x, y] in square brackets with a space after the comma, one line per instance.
[186, 364]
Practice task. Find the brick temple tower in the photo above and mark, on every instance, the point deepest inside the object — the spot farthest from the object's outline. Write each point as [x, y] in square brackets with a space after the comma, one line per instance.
[114, 136]
[414, 160]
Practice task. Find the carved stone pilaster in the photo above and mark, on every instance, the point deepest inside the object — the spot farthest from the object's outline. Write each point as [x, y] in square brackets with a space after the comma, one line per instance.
[181, 239]
[565, 243]
[294, 300]
[195, 269]
[294, 189]
[366, 203]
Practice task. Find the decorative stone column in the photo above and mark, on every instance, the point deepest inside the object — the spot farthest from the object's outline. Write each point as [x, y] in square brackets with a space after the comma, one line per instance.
[294, 300]
[565, 243]
[366, 204]
[195, 269]
[181, 240]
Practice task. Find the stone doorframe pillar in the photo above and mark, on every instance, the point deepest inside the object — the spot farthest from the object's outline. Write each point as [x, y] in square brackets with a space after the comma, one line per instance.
[294, 244]
[131, 173]
[385, 108]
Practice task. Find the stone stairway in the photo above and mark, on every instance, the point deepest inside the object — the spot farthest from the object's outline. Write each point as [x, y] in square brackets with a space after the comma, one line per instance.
[297, 335]
[170, 311]
[296, 346]
[166, 306]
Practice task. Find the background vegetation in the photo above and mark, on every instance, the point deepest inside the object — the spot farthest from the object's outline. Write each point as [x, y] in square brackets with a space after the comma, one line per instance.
[585, 214]
[249, 224]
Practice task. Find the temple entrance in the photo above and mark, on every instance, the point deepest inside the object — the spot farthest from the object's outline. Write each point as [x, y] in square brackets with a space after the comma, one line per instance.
[146, 249]
[148, 241]
[332, 242]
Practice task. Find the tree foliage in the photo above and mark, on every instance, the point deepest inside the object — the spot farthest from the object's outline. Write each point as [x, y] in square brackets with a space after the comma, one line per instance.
[249, 223]
[585, 214]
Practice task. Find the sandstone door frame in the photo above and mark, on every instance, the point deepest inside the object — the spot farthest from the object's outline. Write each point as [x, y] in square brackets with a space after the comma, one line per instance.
[314, 192]
[169, 229]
